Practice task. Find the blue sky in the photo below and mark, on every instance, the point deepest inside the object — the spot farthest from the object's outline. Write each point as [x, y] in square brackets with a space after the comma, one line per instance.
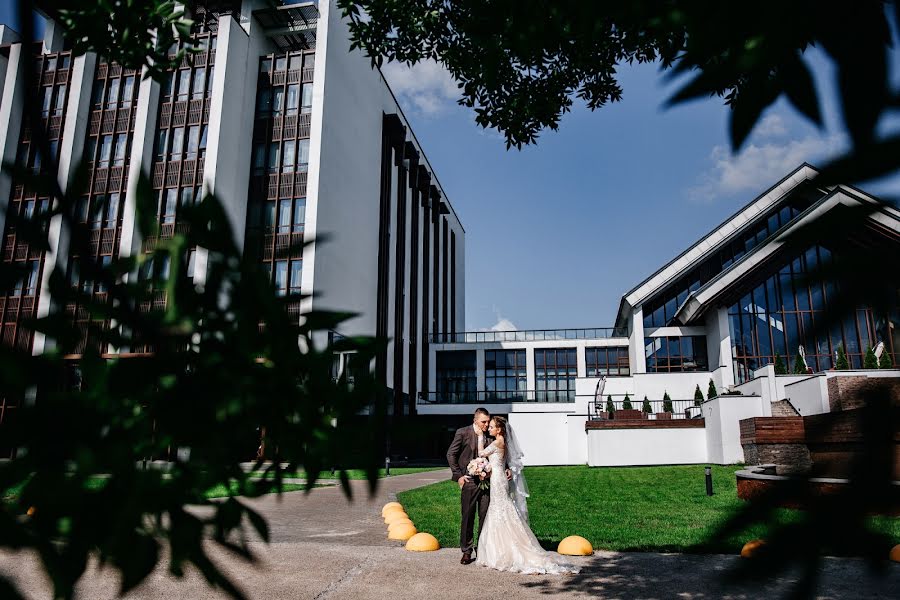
[557, 232]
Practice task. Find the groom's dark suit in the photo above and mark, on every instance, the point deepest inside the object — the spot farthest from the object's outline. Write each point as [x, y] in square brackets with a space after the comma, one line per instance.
[462, 450]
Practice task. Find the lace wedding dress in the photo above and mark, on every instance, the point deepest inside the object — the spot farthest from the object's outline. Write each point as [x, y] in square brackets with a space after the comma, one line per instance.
[505, 541]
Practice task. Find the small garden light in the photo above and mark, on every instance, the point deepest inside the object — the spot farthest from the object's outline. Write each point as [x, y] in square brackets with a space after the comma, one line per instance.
[387, 466]
[708, 472]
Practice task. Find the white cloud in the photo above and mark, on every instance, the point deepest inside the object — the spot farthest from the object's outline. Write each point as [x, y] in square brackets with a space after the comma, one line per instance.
[758, 165]
[426, 87]
[503, 324]
[772, 126]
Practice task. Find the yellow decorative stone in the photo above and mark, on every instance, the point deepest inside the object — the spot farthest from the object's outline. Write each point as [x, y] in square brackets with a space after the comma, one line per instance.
[895, 553]
[402, 533]
[394, 516]
[398, 523]
[575, 545]
[751, 548]
[422, 542]
[390, 506]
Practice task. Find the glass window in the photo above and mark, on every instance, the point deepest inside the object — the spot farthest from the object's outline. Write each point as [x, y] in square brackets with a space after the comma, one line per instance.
[64, 62]
[112, 211]
[259, 156]
[184, 84]
[293, 98]
[306, 100]
[121, 147]
[31, 279]
[604, 361]
[456, 376]
[284, 216]
[193, 142]
[505, 375]
[277, 100]
[209, 81]
[199, 83]
[97, 94]
[202, 141]
[265, 65]
[555, 372]
[48, 98]
[296, 62]
[81, 210]
[299, 214]
[112, 95]
[162, 137]
[168, 85]
[177, 143]
[187, 196]
[60, 100]
[273, 156]
[51, 64]
[302, 152]
[168, 206]
[105, 150]
[269, 216]
[280, 63]
[281, 277]
[287, 164]
[264, 101]
[127, 91]
[676, 354]
[296, 273]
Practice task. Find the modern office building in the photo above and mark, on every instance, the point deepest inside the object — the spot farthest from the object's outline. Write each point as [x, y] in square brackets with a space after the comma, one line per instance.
[720, 312]
[296, 135]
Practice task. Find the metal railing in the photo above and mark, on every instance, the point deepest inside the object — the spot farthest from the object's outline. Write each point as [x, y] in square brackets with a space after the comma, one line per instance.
[680, 409]
[493, 397]
[528, 335]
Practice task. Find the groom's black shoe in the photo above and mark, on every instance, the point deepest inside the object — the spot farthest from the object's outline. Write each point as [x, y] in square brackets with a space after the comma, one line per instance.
[466, 558]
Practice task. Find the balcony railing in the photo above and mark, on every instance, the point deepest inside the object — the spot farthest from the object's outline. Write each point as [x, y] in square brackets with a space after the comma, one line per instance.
[493, 397]
[680, 409]
[528, 335]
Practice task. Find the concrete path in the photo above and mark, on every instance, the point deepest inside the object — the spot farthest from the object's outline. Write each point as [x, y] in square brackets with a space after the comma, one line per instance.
[326, 547]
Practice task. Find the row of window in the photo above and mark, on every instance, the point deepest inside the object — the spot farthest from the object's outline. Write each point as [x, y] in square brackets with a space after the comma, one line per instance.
[108, 150]
[188, 143]
[676, 354]
[185, 84]
[659, 311]
[291, 100]
[285, 156]
[294, 62]
[281, 216]
[53, 100]
[101, 210]
[60, 63]
[112, 93]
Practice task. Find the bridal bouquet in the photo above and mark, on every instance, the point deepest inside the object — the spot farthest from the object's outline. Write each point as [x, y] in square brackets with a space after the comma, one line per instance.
[479, 467]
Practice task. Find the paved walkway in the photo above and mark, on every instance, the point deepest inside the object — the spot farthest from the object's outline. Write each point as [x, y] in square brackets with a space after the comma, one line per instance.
[326, 547]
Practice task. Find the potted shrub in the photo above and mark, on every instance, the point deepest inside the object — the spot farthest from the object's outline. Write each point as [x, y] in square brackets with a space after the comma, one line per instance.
[711, 392]
[780, 369]
[841, 363]
[610, 408]
[870, 361]
[885, 361]
[646, 407]
[628, 411]
[667, 408]
[799, 369]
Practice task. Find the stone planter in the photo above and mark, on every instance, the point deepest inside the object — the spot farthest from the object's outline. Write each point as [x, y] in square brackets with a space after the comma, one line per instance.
[630, 414]
[663, 416]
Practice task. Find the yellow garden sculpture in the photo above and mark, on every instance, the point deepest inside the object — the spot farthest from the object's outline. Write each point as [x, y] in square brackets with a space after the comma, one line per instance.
[402, 532]
[422, 542]
[575, 545]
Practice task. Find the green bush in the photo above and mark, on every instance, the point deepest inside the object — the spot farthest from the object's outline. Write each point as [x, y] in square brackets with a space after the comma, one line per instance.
[885, 361]
[646, 407]
[698, 396]
[841, 364]
[667, 403]
[610, 407]
[626, 403]
[711, 392]
[780, 369]
[799, 369]
[870, 361]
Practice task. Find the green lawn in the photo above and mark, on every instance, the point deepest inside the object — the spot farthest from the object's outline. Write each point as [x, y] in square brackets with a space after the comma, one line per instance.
[637, 508]
[359, 473]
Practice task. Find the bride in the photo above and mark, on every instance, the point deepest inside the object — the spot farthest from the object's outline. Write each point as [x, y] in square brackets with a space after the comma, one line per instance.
[506, 541]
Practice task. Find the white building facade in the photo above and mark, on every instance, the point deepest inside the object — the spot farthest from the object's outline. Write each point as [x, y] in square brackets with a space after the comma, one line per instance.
[297, 136]
[718, 314]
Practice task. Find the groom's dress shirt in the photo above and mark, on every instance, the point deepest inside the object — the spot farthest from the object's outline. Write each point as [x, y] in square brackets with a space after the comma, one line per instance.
[479, 435]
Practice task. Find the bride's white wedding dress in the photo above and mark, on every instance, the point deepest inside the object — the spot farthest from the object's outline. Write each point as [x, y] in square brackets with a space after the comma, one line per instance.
[505, 541]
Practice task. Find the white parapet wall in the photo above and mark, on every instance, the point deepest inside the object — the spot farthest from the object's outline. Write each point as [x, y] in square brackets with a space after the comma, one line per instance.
[723, 431]
[646, 446]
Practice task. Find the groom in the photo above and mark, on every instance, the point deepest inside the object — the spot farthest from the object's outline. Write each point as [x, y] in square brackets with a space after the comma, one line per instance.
[467, 443]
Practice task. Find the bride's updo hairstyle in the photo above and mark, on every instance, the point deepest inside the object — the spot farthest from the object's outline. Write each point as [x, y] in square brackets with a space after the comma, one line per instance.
[500, 423]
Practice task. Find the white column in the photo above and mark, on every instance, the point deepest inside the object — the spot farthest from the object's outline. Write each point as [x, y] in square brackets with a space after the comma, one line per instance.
[636, 342]
[53, 37]
[581, 360]
[146, 112]
[11, 107]
[226, 168]
[529, 369]
[70, 150]
[719, 345]
[7, 36]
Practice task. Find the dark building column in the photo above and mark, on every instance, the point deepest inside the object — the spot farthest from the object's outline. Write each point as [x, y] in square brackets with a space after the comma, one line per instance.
[424, 187]
[400, 277]
[452, 282]
[445, 271]
[415, 171]
[436, 267]
[392, 135]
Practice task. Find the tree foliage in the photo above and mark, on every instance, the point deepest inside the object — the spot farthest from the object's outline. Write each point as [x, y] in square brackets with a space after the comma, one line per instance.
[870, 361]
[780, 369]
[646, 406]
[885, 361]
[841, 363]
[698, 396]
[667, 403]
[712, 392]
[799, 364]
[197, 369]
[610, 407]
[522, 64]
[626, 403]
